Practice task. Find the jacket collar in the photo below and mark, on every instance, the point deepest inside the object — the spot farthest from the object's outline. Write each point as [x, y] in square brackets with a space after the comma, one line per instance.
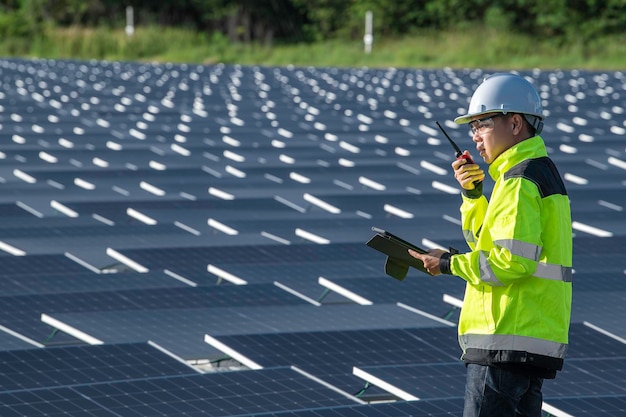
[527, 149]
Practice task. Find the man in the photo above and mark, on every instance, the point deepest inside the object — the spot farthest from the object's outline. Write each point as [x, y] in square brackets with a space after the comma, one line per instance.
[514, 323]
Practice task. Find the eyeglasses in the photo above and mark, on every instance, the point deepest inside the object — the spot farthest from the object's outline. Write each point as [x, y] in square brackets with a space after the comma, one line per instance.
[483, 125]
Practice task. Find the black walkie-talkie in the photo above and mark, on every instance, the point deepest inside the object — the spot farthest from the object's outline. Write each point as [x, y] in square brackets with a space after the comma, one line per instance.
[459, 153]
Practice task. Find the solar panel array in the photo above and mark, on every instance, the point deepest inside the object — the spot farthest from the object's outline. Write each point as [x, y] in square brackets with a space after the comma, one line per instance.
[188, 239]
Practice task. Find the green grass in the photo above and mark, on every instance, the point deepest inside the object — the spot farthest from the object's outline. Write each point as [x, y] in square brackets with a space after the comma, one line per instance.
[424, 49]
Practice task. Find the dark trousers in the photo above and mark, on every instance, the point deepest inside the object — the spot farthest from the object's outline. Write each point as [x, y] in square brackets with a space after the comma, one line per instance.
[493, 392]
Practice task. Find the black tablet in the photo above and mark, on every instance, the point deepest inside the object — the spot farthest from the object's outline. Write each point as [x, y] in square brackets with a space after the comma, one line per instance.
[396, 249]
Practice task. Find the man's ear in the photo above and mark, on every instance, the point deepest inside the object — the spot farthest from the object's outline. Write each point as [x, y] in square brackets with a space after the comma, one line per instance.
[517, 123]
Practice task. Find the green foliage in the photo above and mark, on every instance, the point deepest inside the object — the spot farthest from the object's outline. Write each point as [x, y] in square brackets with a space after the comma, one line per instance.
[13, 24]
[498, 19]
[424, 48]
[322, 32]
[317, 20]
[323, 18]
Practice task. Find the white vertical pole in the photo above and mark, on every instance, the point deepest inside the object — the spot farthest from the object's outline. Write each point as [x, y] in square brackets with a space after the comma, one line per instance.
[130, 24]
[368, 38]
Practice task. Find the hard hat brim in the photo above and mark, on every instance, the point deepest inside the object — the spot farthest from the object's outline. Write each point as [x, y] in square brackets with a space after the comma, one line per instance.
[461, 120]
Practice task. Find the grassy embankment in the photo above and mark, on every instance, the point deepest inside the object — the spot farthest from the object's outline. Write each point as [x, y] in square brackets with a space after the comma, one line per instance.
[461, 49]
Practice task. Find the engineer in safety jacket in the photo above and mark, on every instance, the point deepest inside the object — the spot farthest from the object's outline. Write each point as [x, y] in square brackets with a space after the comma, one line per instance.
[514, 323]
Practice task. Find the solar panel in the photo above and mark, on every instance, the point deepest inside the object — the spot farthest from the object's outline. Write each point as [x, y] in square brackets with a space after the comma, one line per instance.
[60, 282]
[31, 369]
[435, 408]
[604, 279]
[39, 265]
[582, 376]
[247, 261]
[182, 330]
[586, 244]
[418, 381]
[22, 218]
[54, 402]
[293, 273]
[586, 341]
[330, 355]
[200, 149]
[420, 291]
[218, 394]
[23, 312]
[605, 307]
[101, 238]
[601, 406]
[589, 377]
[12, 340]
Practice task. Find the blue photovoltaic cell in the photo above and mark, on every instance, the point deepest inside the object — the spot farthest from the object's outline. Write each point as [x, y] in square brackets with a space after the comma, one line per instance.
[605, 278]
[63, 366]
[39, 265]
[589, 377]
[418, 290]
[423, 381]
[331, 355]
[600, 406]
[23, 312]
[56, 402]
[10, 342]
[216, 394]
[294, 274]
[582, 375]
[604, 308]
[434, 408]
[136, 235]
[182, 330]
[350, 347]
[10, 210]
[587, 343]
[85, 281]
[192, 262]
[221, 394]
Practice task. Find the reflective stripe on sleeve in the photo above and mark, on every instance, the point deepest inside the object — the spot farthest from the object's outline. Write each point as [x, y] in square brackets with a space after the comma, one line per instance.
[527, 251]
[519, 248]
[469, 236]
[554, 272]
[486, 273]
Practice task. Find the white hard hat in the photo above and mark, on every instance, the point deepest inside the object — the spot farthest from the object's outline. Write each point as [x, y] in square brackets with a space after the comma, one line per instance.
[505, 93]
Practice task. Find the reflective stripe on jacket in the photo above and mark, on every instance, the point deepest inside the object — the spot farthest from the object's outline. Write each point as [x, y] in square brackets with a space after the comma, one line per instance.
[518, 296]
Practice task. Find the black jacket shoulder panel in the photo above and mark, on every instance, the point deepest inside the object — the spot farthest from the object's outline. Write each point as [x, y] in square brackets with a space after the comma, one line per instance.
[542, 172]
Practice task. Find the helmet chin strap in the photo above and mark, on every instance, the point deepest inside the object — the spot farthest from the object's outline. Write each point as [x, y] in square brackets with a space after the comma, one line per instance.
[535, 122]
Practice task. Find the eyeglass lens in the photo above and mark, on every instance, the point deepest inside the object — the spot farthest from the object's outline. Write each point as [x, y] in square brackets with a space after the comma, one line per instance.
[482, 125]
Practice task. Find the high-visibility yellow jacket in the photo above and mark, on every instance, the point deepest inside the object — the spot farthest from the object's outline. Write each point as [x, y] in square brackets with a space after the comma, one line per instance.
[518, 295]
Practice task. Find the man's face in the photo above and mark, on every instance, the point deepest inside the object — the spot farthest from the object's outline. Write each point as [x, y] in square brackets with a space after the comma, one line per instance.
[492, 135]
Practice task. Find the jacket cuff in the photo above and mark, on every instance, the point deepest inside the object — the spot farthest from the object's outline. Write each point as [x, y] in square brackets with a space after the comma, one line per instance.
[475, 193]
[444, 263]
